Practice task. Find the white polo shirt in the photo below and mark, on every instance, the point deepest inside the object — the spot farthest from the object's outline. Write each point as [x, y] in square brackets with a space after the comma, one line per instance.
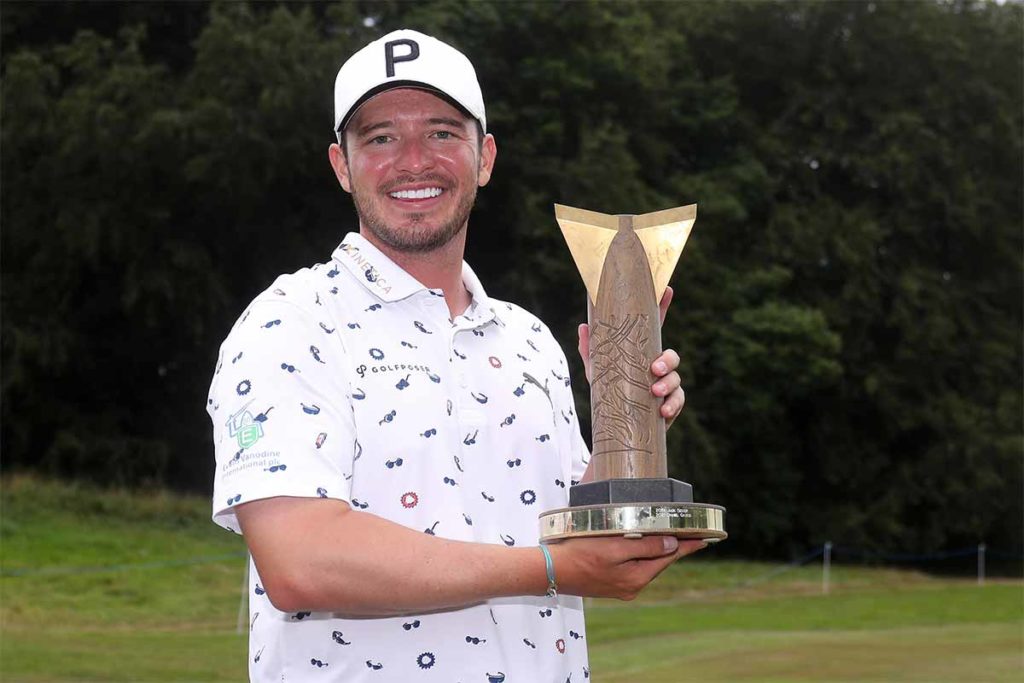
[348, 380]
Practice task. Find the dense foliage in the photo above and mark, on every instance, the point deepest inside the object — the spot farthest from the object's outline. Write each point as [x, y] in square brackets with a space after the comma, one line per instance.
[849, 307]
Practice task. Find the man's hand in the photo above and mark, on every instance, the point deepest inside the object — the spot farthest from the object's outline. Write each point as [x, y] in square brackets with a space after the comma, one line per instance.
[664, 368]
[615, 567]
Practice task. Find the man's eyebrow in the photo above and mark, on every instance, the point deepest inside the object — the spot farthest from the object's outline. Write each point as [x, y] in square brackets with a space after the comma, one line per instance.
[446, 121]
[374, 126]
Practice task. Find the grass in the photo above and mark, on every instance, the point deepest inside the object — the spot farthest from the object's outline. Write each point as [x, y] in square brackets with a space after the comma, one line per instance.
[990, 652]
[144, 622]
[155, 619]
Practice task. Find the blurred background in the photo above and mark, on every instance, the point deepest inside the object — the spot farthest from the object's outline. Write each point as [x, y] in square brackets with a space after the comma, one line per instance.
[848, 308]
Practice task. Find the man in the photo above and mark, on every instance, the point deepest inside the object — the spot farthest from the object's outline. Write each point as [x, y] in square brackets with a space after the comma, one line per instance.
[387, 434]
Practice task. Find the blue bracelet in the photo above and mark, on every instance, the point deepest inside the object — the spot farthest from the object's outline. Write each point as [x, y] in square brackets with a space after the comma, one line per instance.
[550, 567]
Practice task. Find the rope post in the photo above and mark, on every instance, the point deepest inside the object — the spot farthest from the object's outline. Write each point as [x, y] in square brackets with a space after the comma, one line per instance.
[981, 564]
[826, 567]
[243, 604]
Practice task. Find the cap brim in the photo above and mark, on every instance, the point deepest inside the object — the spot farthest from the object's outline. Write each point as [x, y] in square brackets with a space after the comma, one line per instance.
[392, 85]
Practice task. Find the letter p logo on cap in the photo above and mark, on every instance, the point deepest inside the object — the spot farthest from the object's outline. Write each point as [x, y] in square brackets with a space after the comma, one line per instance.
[390, 59]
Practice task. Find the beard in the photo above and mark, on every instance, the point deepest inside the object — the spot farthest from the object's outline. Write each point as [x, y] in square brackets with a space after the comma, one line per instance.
[420, 236]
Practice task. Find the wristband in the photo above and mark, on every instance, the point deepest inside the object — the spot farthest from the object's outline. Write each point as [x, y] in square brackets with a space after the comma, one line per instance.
[550, 567]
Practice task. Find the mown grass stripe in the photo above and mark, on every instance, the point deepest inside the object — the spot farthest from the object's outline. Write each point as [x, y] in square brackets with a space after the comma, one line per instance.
[160, 564]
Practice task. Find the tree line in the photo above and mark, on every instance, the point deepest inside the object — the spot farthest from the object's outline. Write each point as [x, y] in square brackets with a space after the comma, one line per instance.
[848, 308]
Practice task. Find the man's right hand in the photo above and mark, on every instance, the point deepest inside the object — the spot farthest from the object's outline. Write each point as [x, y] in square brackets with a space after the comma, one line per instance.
[615, 567]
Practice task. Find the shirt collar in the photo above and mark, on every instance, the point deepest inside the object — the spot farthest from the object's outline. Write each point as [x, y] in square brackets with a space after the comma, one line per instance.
[381, 276]
[386, 280]
[482, 308]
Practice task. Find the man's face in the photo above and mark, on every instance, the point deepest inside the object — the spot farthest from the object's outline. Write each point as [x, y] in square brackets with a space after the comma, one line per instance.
[413, 164]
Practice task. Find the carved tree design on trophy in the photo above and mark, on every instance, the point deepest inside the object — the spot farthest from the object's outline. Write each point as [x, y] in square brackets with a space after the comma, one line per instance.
[628, 432]
[620, 386]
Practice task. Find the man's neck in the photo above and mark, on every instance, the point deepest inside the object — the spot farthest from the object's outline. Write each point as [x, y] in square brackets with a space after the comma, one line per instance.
[437, 269]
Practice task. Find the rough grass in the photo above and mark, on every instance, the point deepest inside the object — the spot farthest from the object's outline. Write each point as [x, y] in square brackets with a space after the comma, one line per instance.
[69, 617]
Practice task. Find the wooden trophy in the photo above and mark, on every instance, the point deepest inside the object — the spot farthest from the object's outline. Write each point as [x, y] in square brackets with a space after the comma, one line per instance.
[626, 262]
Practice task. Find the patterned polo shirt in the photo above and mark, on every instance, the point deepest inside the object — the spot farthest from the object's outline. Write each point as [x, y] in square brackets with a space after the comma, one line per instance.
[348, 380]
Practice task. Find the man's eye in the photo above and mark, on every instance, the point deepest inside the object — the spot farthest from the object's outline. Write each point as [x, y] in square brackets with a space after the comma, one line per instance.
[379, 140]
[443, 135]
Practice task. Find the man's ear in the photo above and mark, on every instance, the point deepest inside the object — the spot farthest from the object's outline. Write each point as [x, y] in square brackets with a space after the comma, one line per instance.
[340, 166]
[488, 153]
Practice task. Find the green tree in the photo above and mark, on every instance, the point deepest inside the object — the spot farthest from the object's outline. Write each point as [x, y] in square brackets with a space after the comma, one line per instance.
[848, 306]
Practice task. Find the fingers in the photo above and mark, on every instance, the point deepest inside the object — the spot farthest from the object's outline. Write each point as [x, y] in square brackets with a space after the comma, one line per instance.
[673, 405]
[584, 347]
[673, 548]
[648, 547]
[666, 299]
[685, 548]
[668, 387]
[665, 363]
[663, 367]
[690, 547]
[668, 384]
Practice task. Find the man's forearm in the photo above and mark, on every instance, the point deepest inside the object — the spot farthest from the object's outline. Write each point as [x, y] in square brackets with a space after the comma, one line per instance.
[319, 555]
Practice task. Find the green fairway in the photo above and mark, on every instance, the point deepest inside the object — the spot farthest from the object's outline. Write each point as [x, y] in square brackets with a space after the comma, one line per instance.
[157, 619]
[921, 630]
[987, 652]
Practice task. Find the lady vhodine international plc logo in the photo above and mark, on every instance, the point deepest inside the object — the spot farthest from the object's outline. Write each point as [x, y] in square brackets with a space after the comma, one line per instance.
[248, 429]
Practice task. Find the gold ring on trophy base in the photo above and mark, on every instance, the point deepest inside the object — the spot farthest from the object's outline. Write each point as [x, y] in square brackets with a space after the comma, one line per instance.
[683, 520]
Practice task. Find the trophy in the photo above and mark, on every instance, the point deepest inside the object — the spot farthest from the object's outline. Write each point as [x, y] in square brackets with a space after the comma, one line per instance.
[626, 262]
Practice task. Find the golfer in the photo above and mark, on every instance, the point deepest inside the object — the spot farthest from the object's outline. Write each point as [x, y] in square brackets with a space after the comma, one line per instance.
[386, 433]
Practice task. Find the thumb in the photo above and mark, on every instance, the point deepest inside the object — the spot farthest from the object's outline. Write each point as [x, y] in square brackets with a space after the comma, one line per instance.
[666, 299]
[584, 347]
[650, 547]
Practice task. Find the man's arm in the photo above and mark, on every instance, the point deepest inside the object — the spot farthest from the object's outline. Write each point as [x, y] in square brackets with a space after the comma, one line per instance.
[320, 555]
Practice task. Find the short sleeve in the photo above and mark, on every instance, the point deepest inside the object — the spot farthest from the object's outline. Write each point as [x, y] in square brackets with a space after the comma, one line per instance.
[281, 410]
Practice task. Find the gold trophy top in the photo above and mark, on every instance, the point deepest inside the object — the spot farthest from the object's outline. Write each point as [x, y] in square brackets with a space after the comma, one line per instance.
[589, 234]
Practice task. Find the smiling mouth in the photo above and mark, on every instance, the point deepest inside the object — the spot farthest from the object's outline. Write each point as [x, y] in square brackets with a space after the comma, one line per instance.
[423, 193]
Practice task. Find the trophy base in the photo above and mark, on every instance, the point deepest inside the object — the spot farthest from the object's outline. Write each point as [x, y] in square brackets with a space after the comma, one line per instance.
[639, 490]
[698, 521]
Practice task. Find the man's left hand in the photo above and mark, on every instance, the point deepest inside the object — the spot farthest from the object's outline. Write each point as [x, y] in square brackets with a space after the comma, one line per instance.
[667, 384]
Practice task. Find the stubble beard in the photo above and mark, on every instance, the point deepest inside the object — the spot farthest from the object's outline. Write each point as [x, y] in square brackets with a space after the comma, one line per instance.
[419, 237]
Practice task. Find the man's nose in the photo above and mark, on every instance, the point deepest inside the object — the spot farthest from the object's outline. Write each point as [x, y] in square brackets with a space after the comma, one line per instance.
[414, 156]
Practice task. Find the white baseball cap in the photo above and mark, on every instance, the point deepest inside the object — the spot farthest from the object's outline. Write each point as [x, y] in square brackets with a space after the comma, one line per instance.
[407, 59]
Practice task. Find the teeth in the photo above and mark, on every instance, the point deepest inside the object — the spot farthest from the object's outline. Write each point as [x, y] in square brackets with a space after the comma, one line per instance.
[425, 193]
